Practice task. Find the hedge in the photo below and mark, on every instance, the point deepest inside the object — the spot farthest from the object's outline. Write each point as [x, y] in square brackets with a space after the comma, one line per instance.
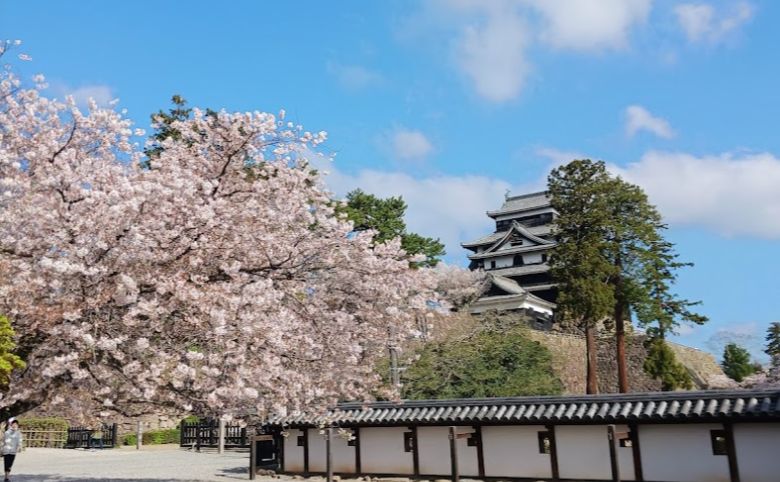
[155, 437]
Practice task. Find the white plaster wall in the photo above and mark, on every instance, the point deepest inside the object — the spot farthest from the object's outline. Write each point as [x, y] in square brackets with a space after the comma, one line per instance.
[681, 453]
[343, 454]
[382, 451]
[293, 455]
[513, 451]
[502, 261]
[434, 452]
[758, 451]
[531, 258]
[583, 453]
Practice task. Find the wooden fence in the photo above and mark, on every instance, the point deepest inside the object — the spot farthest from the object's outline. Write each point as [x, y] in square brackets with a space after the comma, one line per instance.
[205, 433]
[41, 437]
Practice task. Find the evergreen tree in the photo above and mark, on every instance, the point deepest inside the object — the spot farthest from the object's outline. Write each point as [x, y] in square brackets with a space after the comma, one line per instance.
[579, 263]
[736, 362]
[662, 365]
[607, 230]
[386, 217]
[8, 360]
[773, 343]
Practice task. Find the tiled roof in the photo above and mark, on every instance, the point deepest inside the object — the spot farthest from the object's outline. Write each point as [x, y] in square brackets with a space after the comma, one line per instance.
[489, 239]
[523, 202]
[614, 408]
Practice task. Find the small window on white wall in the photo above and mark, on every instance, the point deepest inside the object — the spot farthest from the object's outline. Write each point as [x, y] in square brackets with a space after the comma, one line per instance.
[545, 442]
[718, 439]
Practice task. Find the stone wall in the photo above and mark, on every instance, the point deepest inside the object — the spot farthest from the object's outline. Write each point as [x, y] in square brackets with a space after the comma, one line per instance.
[569, 362]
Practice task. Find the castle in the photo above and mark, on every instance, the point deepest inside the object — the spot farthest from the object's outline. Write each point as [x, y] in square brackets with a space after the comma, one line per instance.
[515, 258]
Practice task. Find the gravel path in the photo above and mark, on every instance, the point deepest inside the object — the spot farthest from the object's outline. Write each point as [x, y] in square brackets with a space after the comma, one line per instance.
[151, 464]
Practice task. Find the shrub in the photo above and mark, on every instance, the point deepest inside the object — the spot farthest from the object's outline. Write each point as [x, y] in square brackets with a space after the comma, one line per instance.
[495, 360]
[155, 437]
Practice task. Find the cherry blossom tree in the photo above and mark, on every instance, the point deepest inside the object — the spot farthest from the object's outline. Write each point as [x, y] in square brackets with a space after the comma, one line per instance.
[220, 280]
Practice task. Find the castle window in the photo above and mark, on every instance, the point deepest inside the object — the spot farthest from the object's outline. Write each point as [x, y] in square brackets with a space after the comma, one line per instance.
[518, 261]
[544, 258]
[492, 265]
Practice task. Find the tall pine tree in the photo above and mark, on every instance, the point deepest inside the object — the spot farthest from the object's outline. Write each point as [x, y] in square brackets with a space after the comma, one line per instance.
[612, 255]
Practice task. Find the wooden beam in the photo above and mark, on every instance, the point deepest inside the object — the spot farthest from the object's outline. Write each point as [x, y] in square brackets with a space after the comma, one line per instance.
[553, 452]
[454, 454]
[638, 474]
[358, 463]
[415, 452]
[252, 458]
[329, 454]
[305, 451]
[480, 453]
[731, 449]
[613, 456]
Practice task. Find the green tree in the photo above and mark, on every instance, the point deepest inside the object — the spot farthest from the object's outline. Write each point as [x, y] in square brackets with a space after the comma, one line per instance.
[645, 269]
[662, 364]
[612, 259]
[579, 193]
[773, 343]
[736, 362]
[9, 361]
[386, 217]
[165, 129]
[492, 361]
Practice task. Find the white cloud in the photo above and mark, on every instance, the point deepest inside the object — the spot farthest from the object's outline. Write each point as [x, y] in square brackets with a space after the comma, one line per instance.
[748, 335]
[702, 24]
[640, 119]
[409, 145]
[354, 77]
[731, 194]
[492, 55]
[587, 25]
[493, 37]
[102, 94]
[451, 208]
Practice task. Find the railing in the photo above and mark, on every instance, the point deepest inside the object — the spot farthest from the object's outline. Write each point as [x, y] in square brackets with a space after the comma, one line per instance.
[81, 437]
[205, 433]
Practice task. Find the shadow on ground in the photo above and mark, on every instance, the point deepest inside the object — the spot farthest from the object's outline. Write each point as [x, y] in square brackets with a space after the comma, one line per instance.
[60, 478]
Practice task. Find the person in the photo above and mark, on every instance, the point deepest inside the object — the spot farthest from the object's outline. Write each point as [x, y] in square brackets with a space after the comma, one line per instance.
[96, 439]
[12, 444]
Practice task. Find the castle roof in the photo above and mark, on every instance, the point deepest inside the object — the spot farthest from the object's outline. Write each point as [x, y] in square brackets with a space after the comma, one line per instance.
[523, 202]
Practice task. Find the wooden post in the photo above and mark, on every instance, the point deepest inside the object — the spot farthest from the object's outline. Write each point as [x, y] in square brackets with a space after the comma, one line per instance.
[221, 442]
[553, 452]
[358, 463]
[454, 454]
[305, 450]
[252, 458]
[731, 450]
[113, 435]
[638, 474]
[198, 430]
[613, 458]
[480, 454]
[139, 434]
[329, 454]
[415, 452]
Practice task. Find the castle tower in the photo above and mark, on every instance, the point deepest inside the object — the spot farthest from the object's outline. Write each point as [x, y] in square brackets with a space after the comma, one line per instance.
[515, 256]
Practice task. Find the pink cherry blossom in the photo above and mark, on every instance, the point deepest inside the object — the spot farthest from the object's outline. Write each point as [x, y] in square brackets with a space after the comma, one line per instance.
[218, 281]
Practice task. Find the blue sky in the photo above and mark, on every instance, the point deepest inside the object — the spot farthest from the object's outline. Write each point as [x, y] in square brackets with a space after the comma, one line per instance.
[452, 103]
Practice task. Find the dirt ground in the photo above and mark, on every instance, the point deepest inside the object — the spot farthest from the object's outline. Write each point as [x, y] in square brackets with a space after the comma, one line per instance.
[163, 463]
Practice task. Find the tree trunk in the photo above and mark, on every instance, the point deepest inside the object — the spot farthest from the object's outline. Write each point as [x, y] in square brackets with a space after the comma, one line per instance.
[620, 341]
[620, 328]
[592, 362]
